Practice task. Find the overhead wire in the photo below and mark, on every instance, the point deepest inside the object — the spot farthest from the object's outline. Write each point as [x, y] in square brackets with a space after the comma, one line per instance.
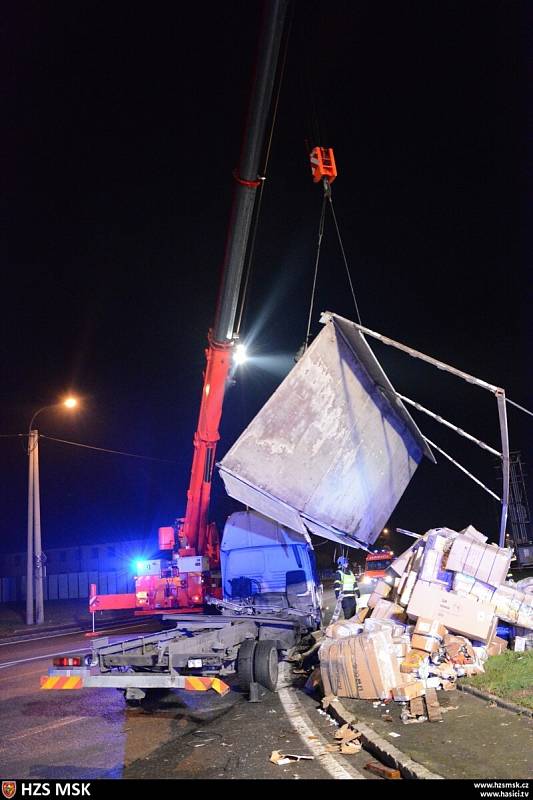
[106, 449]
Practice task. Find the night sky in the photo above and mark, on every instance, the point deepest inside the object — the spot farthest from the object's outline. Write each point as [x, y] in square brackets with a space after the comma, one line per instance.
[121, 127]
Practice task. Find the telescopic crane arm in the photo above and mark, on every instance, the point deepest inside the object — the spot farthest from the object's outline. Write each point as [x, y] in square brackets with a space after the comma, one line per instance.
[196, 533]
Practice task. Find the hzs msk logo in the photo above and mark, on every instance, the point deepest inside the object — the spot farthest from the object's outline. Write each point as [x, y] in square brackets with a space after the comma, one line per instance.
[9, 789]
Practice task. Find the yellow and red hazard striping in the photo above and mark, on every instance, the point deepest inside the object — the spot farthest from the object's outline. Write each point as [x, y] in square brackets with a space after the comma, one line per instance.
[60, 682]
[196, 684]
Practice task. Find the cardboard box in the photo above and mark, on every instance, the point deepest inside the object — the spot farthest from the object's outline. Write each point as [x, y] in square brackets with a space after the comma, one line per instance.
[428, 635]
[472, 533]
[497, 646]
[359, 666]
[382, 588]
[384, 609]
[486, 562]
[344, 628]
[465, 584]
[513, 606]
[393, 628]
[431, 568]
[460, 613]
[400, 564]
[409, 691]
[407, 589]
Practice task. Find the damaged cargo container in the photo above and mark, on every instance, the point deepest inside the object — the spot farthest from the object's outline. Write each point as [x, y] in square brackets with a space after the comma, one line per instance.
[333, 450]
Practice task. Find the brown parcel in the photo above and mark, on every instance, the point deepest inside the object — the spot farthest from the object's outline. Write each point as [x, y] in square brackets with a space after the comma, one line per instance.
[384, 609]
[359, 667]
[459, 613]
[428, 635]
[496, 646]
[408, 692]
[486, 562]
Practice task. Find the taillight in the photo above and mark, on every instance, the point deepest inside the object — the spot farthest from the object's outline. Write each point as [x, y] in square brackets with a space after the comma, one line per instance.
[73, 661]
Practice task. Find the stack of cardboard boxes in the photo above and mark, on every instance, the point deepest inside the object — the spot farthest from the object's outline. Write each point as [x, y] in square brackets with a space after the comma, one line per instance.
[432, 620]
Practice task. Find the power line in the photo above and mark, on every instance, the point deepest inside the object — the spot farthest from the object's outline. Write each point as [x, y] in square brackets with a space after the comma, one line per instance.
[106, 450]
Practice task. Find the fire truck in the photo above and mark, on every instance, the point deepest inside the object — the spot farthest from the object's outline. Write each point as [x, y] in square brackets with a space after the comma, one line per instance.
[376, 566]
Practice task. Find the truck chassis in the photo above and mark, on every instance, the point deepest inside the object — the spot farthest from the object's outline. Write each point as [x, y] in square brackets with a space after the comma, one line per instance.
[192, 656]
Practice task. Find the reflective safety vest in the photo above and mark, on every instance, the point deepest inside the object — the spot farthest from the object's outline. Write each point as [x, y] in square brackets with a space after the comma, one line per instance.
[347, 583]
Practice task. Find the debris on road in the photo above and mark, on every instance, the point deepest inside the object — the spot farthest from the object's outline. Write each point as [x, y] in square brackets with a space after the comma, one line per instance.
[384, 772]
[281, 759]
[431, 620]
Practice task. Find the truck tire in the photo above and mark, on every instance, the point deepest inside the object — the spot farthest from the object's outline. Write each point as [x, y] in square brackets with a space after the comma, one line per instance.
[266, 664]
[245, 664]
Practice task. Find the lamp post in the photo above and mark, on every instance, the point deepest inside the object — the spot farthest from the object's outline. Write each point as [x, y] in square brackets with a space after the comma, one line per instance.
[34, 566]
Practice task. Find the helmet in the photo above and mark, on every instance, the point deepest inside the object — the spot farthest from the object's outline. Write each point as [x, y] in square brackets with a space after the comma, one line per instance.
[342, 561]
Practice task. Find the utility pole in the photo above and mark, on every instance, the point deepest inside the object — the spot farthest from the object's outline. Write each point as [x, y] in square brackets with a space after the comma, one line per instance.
[32, 439]
[38, 554]
[36, 559]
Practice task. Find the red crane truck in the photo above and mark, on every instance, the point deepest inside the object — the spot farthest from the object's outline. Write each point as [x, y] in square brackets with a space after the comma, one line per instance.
[182, 582]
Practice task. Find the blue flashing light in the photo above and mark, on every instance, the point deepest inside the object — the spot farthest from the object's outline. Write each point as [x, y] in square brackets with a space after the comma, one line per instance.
[140, 567]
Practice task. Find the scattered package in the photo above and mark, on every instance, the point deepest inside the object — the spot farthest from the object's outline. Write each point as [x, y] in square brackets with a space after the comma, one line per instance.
[432, 620]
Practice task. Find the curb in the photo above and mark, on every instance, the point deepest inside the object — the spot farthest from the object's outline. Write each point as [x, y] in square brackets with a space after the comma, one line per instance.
[381, 748]
[520, 710]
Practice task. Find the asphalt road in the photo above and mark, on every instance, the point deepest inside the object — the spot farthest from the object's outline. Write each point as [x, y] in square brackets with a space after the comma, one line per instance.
[91, 733]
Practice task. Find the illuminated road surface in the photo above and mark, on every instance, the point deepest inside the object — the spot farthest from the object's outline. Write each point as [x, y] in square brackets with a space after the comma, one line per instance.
[91, 733]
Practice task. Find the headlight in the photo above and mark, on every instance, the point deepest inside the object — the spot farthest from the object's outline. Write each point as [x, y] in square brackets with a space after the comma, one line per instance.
[194, 663]
[388, 579]
[367, 580]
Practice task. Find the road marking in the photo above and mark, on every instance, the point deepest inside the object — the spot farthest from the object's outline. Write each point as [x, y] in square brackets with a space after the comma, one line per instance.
[302, 725]
[6, 664]
[43, 728]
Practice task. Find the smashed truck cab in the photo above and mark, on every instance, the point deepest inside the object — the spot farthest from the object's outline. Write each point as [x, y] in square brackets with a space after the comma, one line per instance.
[333, 450]
[265, 564]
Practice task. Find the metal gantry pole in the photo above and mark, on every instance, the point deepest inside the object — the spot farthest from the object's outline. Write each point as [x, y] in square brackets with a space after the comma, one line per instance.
[29, 564]
[39, 601]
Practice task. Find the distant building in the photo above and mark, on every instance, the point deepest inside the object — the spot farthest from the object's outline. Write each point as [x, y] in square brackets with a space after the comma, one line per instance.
[70, 570]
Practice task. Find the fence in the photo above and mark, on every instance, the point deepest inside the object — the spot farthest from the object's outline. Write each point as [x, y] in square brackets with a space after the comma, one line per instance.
[68, 586]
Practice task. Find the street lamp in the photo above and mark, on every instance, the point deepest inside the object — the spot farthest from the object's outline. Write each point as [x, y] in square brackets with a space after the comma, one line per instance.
[34, 566]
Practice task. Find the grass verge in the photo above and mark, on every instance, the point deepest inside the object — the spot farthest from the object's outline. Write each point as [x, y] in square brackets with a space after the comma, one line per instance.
[509, 676]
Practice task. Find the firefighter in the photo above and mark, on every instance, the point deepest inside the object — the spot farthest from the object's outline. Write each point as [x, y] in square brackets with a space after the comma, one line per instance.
[346, 584]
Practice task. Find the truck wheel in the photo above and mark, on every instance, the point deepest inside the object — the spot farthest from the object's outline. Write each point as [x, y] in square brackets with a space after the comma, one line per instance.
[266, 664]
[245, 664]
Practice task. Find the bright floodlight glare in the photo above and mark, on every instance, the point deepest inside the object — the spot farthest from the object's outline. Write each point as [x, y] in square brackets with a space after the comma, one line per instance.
[239, 355]
[70, 402]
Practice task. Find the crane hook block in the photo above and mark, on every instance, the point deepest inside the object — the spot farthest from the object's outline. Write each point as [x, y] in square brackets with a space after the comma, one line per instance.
[323, 164]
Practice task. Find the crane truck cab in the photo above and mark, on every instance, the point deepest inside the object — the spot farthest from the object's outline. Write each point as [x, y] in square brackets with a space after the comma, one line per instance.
[266, 565]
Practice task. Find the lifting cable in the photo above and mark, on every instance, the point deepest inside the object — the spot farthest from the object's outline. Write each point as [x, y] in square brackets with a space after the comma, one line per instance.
[327, 197]
[344, 259]
[317, 259]
[262, 179]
